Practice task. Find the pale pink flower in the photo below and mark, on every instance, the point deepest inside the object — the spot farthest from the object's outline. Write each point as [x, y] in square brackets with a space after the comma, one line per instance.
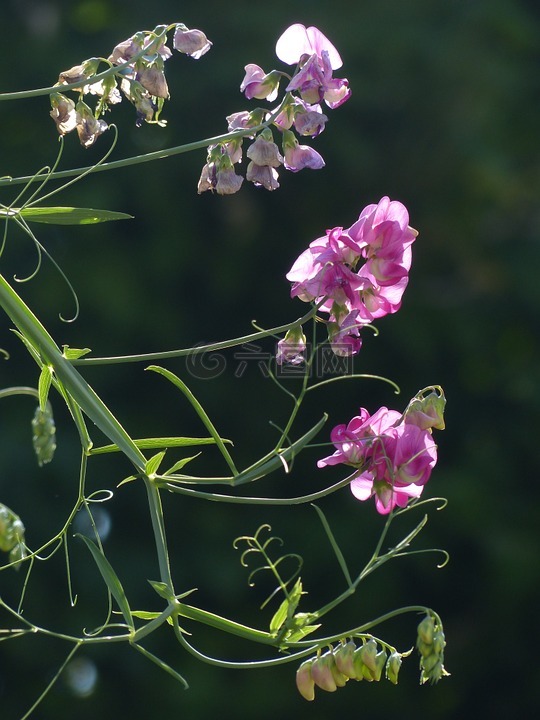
[257, 84]
[191, 42]
[298, 41]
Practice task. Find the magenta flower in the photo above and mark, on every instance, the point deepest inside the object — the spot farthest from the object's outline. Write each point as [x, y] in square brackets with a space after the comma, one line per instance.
[291, 349]
[394, 459]
[330, 272]
[344, 335]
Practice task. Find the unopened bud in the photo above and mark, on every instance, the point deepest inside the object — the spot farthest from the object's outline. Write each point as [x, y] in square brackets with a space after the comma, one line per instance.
[304, 681]
[439, 642]
[44, 434]
[380, 662]
[344, 656]
[426, 629]
[321, 672]
[369, 654]
[427, 412]
[393, 666]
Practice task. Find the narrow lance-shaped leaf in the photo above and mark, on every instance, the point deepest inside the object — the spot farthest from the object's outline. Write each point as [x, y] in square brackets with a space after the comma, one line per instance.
[110, 578]
[68, 215]
[44, 386]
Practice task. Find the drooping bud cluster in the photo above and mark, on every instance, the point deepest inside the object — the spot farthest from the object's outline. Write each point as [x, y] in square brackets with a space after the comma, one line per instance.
[430, 644]
[338, 665]
[300, 110]
[11, 534]
[44, 434]
[358, 274]
[394, 453]
[141, 79]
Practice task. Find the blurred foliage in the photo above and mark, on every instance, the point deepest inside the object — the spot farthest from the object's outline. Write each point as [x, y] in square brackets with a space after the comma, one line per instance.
[444, 117]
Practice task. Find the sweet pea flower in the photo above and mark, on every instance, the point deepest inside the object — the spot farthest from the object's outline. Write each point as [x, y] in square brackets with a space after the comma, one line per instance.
[257, 84]
[297, 157]
[193, 43]
[292, 347]
[344, 336]
[298, 41]
[63, 113]
[317, 56]
[310, 120]
[394, 459]
[265, 157]
[89, 128]
[152, 78]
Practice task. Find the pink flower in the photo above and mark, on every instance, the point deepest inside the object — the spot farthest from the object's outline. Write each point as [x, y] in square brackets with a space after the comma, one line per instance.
[298, 41]
[291, 349]
[297, 157]
[191, 42]
[317, 56]
[394, 459]
[257, 84]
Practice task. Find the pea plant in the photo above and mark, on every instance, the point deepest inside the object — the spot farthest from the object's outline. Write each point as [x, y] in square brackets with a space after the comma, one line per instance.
[348, 278]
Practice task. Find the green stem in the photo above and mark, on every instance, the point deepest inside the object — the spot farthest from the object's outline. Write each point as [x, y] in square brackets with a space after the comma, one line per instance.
[211, 347]
[77, 387]
[148, 157]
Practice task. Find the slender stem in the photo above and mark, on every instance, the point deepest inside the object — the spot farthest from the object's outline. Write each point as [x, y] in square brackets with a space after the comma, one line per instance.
[158, 525]
[148, 157]
[112, 70]
[211, 347]
[77, 387]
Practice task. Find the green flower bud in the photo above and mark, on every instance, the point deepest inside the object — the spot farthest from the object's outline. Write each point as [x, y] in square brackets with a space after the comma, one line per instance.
[17, 553]
[321, 672]
[426, 629]
[439, 642]
[304, 681]
[369, 654]
[344, 656]
[423, 648]
[380, 662]
[358, 664]
[339, 678]
[44, 434]
[393, 666]
[11, 529]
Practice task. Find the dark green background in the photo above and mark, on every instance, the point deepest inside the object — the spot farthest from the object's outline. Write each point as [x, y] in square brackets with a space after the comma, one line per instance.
[444, 116]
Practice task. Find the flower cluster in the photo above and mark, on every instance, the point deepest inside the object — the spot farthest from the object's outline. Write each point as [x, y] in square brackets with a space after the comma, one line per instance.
[430, 644]
[140, 78]
[394, 453]
[336, 667]
[329, 272]
[11, 534]
[300, 111]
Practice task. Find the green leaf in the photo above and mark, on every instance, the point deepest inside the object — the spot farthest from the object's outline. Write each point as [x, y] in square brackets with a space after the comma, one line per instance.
[44, 386]
[152, 465]
[180, 464]
[156, 443]
[162, 589]
[74, 353]
[69, 215]
[110, 578]
[300, 633]
[280, 616]
[146, 615]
